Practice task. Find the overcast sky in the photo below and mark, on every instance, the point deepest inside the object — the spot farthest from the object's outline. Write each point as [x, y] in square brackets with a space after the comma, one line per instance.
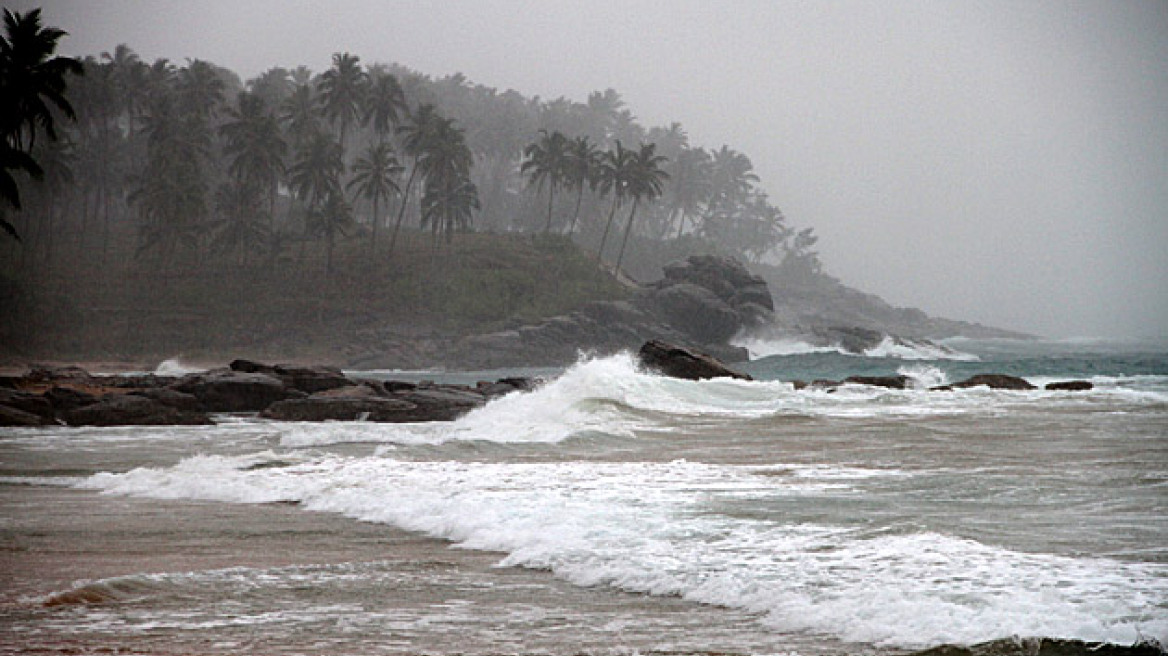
[1002, 162]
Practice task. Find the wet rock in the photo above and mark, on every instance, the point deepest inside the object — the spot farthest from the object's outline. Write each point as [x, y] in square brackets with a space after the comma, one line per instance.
[1070, 386]
[440, 402]
[309, 380]
[340, 407]
[996, 381]
[33, 404]
[171, 397]
[505, 386]
[891, 382]
[132, 410]
[224, 390]
[65, 399]
[14, 417]
[697, 311]
[677, 362]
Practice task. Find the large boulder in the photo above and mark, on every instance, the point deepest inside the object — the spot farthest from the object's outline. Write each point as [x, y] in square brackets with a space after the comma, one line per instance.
[891, 382]
[13, 417]
[358, 403]
[132, 410]
[439, 402]
[1071, 386]
[223, 390]
[33, 404]
[697, 311]
[996, 381]
[309, 380]
[725, 277]
[678, 362]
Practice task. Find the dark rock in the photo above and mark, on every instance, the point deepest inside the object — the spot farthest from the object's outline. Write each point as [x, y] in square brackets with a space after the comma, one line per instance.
[824, 384]
[678, 362]
[891, 382]
[397, 386]
[725, 277]
[799, 384]
[15, 417]
[340, 407]
[851, 339]
[65, 399]
[171, 397]
[232, 391]
[252, 367]
[440, 402]
[132, 410]
[50, 374]
[1070, 386]
[311, 380]
[33, 404]
[505, 386]
[996, 381]
[697, 311]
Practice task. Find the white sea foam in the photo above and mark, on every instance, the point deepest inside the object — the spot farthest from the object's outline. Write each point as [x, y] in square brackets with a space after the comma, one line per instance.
[656, 528]
[761, 346]
[176, 367]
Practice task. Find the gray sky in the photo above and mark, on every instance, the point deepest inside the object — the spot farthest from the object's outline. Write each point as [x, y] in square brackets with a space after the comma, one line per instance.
[1002, 162]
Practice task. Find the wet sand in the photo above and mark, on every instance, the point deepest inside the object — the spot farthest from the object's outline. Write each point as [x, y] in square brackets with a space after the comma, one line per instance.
[419, 595]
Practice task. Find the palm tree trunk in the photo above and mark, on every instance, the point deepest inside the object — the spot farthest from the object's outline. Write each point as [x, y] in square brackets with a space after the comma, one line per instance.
[401, 212]
[576, 214]
[628, 228]
[604, 239]
[551, 196]
[376, 220]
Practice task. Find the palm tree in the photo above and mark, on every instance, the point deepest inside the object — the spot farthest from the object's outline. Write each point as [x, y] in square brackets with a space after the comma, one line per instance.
[32, 79]
[732, 178]
[240, 228]
[646, 180]
[32, 82]
[691, 173]
[546, 162]
[449, 197]
[256, 148]
[343, 90]
[583, 165]
[614, 170]
[298, 114]
[415, 137]
[317, 171]
[331, 216]
[375, 177]
[385, 103]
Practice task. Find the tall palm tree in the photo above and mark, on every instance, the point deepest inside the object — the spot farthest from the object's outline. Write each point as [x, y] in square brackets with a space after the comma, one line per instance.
[331, 216]
[614, 172]
[375, 177]
[240, 228]
[732, 178]
[646, 180]
[317, 170]
[256, 147]
[691, 185]
[582, 170]
[415, 137]
[32, 82]
[299, 115]
[546, 162]
[449, 196]
[385, 104]
[343, 89]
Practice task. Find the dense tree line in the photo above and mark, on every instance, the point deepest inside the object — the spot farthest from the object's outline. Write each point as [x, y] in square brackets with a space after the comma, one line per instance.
[199, 165]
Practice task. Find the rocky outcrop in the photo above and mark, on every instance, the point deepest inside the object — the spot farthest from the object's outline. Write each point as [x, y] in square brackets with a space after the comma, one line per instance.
[677, 362]
[275, 391]
[224, 390]
[132, 410]
[700, 304]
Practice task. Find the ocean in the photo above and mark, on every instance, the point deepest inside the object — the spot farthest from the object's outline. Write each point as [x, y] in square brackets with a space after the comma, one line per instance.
[612, 511]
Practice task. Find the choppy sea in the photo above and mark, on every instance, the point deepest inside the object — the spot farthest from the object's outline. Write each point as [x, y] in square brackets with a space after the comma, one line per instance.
[612, 511]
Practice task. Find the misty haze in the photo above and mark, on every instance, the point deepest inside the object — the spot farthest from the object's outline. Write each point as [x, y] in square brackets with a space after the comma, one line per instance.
[584, 328]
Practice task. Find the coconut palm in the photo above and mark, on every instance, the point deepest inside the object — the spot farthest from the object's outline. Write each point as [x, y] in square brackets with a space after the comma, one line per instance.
[415, 137]
[614, 171]
[691, 185]
[299, 115]
[343, 89]
[256, 148]
[546, 162]
[732, 178]
[240, 228]
[375, 177]
[385, 104]
[317, 171]
[32, 84]
[330, 217]
[449, 197]
[645, 181]
[581, 170]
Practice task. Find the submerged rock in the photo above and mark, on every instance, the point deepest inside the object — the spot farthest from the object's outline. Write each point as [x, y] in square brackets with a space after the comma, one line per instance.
[891, 382]
[678, 362]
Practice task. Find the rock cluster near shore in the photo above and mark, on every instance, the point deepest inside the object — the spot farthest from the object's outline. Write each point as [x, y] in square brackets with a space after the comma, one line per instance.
[73, 397]
[700, 304]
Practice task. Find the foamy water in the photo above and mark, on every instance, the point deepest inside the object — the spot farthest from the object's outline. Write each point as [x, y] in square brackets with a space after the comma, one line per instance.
[883, 519]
